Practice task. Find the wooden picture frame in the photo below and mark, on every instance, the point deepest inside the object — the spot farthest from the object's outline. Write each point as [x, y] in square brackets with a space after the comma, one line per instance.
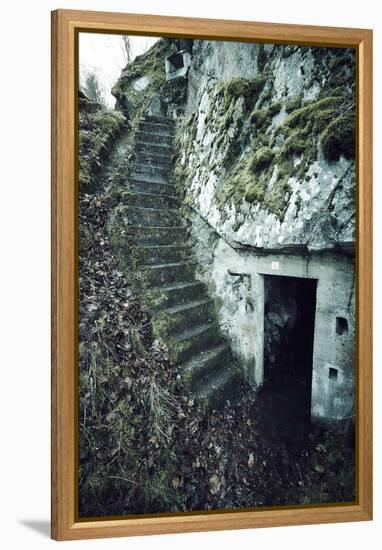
[65, 25]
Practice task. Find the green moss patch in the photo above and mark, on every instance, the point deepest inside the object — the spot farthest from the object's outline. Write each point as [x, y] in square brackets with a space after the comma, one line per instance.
[295, 145]
[339, 138]
[261, 159]
[248, 88]
[99, 128]
[152, 65]
[294, 103]
[255, 191]
[321, 118]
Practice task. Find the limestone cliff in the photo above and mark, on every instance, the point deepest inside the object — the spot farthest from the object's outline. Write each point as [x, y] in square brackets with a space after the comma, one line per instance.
[266, 150]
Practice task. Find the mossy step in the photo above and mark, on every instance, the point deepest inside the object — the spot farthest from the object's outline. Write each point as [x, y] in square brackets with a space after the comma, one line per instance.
[160, 254]
[161, 274]
[221, 385]
[179, 317]
[150, 187]
[194, 340]
[155, 159]
[155, 137]
[149, 170]
[147, 178]
[152, 147]
[206, 361]
[156, 235]
[157, 217]
[156, 128]
[158, 119]
[179, 293]
[150, 200]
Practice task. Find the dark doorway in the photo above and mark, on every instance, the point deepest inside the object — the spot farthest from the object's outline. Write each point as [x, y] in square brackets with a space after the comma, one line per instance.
[289, 316]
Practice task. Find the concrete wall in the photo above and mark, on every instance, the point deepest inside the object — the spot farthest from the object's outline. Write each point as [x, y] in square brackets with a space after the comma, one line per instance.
[240, 309]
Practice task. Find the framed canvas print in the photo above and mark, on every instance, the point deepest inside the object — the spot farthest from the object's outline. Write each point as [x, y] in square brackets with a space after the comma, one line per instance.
[211, 194]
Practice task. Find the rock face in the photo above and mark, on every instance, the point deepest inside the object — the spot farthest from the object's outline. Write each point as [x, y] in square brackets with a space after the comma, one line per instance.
[265, 167]
[267, 152]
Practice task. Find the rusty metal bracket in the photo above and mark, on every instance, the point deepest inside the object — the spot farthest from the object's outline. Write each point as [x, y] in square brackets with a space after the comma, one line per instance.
[240, 275]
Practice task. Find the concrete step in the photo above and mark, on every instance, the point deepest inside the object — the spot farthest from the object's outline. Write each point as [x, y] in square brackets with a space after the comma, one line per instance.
[149, 178]
[155, 119]
[153, 137]
[194, 340]
[152, 158]
[201, 365]
[221, 385]
[139, 234]
[161, 254]
[153, 147]
[162, 274]
[150, 187]
[182, 316]
[179, 293]
[157, 217]
[150, 200]
[156, 128]
[158, 173]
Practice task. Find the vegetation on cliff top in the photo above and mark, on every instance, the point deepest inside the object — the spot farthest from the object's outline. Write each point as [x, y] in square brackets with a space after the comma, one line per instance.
[150, 65]
[98, 130]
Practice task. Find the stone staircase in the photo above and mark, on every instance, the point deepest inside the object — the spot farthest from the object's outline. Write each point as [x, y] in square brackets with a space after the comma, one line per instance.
[181, 312]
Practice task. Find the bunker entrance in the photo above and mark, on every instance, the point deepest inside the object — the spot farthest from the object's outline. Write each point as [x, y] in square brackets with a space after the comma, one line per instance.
[289, 318]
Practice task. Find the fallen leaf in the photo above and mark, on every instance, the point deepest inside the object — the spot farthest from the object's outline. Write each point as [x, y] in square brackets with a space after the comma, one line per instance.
[176, 482]
[215, 485]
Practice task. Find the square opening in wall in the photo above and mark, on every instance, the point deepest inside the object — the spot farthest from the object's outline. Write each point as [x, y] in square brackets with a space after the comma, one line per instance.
[341, 325]
[176, 61]
[333, 373]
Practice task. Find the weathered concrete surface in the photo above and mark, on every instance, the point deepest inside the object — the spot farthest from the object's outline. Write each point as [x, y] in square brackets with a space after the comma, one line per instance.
[240, 307]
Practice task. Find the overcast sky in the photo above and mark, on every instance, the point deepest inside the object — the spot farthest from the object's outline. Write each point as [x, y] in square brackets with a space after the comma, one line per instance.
[103, 53]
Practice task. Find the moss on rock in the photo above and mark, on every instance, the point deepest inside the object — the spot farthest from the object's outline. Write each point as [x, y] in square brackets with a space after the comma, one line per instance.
[294, 103]
[259, 117]
[339, 138]
[98, 129]
[240, 86]
[255, 191]
[151, 65]
[295, 145]
[261, 159]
